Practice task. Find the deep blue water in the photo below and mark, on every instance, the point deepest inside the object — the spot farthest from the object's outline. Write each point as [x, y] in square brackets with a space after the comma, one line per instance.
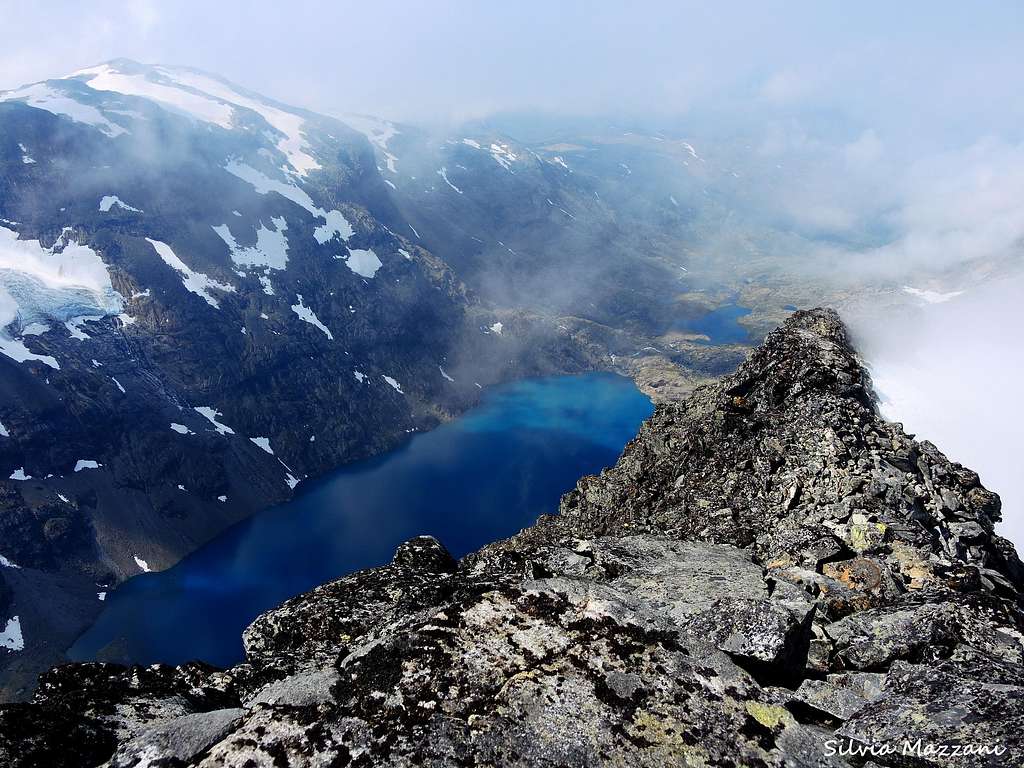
[719, 325]
[479, 478]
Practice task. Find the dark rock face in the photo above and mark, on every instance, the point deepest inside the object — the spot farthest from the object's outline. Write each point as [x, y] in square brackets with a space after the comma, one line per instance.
[770, 576]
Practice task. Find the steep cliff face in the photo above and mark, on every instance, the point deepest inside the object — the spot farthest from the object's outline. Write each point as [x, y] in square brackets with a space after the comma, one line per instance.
[769, 576]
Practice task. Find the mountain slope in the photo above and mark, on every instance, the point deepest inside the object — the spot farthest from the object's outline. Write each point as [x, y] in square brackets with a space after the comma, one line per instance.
[770, 574]
[200, 306]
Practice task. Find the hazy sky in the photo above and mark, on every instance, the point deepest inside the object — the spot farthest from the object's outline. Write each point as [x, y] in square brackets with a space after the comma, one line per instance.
[914, 67]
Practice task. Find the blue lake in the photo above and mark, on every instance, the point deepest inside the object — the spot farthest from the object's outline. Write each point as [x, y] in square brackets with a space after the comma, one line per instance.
[719, 325]
[481, 477]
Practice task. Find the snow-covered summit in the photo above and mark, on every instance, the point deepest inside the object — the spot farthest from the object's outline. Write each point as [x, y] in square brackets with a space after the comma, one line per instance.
[104, 95]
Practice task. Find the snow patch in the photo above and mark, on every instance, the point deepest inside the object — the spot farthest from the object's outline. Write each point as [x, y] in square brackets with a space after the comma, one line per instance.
[211, 415]
[306, 314]
[194, 282]
[109, 201]
[335, 223]
[86, 464]
[181, 429]
[503, 155]
[363, 262]
[270, 250]
[443, 173]
[379, 132]
[74, 326]
[11, 638]
[19, 474]
[931, 297]
[393, 384]
[264, 443]
[143, 565]
[497, 328]
[445, 375]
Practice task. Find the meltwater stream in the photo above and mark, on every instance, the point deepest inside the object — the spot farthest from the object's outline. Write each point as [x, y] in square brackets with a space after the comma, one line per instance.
[478, 478]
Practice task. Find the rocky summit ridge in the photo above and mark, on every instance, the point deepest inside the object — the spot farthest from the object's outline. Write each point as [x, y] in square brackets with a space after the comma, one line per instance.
[771, 575]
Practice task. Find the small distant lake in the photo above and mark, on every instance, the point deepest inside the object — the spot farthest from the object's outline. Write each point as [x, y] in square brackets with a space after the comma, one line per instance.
[481, 477]
[719, 325]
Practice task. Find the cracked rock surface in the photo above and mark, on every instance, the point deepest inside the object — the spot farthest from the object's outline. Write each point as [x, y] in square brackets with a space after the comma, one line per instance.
[770, 572]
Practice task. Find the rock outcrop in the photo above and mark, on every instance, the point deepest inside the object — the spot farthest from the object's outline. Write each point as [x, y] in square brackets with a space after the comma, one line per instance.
[770, 576]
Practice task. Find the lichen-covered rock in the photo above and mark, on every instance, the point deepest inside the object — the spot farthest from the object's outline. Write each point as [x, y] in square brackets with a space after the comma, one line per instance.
[770, 576]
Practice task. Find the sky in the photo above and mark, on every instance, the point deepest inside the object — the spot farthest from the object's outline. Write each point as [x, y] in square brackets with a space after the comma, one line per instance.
[904, 119]
[902, 66]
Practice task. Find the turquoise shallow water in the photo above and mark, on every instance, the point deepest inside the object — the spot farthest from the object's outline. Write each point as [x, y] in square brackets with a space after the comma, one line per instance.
[479, 478]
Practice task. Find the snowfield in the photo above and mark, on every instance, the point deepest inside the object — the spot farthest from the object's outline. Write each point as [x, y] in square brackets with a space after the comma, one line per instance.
[106, 77]
[58, 102]
[292, 144]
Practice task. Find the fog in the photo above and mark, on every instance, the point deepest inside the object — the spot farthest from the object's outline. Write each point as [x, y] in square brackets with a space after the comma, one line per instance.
[951, 373]
[884, 141]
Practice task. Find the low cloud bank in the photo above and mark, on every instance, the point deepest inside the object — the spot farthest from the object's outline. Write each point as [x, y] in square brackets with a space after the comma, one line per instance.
[951, 372]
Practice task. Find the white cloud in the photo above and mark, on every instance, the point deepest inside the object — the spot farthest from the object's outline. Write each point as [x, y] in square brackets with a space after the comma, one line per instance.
[949, 374]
